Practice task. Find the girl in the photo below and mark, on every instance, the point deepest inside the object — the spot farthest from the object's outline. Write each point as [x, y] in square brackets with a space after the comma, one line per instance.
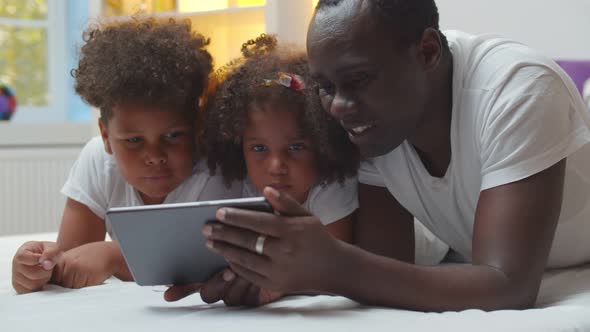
[264, 126]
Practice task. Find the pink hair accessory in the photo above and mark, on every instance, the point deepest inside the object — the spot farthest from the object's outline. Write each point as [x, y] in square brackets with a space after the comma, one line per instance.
[288, 80]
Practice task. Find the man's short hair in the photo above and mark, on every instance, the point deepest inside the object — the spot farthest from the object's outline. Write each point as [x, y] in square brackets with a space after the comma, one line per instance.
[408, 18]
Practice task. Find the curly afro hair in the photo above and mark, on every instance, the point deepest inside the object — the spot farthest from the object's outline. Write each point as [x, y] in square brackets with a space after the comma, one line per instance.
[160, 63]
[241, 83]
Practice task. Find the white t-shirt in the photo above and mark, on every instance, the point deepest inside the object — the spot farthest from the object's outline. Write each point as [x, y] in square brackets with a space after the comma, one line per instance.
[96, 182]
[329, 203]
[586, 93]
[335, 201]
[515, 113]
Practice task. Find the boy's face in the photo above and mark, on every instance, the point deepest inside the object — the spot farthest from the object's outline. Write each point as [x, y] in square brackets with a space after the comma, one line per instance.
[375, 89]
[154, 148]
[276, 152]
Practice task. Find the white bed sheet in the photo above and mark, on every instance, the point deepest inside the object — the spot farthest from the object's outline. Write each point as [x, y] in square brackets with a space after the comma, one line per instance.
[563, 305]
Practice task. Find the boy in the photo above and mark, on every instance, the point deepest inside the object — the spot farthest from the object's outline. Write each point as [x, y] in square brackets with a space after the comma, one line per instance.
[146, 77]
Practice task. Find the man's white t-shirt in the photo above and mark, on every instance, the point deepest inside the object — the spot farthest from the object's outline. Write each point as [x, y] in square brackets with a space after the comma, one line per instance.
[96, 182]
[515, 113]
[329, 202]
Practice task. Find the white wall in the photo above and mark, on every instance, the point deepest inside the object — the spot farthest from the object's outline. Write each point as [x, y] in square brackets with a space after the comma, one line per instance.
[557, 28]
[288, 19]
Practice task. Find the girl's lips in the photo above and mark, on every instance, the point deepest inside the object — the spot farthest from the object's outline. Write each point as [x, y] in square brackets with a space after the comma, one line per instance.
[158, 177]
[279, 186]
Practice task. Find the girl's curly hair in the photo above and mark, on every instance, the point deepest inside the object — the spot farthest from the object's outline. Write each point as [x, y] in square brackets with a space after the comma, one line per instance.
[241, 83]
[160, 63]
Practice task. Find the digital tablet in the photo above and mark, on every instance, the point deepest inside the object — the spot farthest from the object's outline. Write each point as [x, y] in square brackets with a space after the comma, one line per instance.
[163, 245]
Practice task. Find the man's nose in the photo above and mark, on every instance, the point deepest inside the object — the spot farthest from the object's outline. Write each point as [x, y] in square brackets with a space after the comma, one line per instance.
[342, 106]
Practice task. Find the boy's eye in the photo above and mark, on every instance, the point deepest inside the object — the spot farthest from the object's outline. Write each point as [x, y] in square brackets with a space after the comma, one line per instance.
[133, 140]
[296, 147]
[258, 148]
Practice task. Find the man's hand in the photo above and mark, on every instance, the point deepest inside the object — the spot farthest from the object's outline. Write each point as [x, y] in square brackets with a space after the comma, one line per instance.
[298, 253]
[227, 287]
[32, 265]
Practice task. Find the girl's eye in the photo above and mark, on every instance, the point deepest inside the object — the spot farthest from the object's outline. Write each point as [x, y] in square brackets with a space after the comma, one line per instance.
[173, 135]
[296, 147]
[258, 148]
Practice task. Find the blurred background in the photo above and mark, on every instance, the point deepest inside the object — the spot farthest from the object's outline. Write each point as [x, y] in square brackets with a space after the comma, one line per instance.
[38, 49]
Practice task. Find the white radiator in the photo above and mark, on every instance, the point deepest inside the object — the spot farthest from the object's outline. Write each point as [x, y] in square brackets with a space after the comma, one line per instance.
[30, 183]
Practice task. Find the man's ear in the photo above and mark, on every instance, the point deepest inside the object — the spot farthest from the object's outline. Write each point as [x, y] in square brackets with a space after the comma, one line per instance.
[430, 49]
[105, 136]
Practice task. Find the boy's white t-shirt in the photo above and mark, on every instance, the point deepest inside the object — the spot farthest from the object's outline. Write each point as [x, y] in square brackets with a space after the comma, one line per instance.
[96, 182]
[329, 202]
[515, 113]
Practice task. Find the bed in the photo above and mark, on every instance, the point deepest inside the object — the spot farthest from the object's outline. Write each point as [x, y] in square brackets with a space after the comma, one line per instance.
[563, 305]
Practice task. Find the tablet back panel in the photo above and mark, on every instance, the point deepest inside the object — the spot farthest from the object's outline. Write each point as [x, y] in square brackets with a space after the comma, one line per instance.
[166, 246]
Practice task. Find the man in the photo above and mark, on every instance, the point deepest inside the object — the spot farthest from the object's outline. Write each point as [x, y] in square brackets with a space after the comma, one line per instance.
[480, 138]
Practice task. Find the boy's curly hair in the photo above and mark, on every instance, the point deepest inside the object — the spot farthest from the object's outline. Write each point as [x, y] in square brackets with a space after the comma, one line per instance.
[160, 63]
[241, 83]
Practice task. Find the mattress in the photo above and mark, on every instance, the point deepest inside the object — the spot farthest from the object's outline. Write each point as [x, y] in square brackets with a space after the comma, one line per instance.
[563, 305]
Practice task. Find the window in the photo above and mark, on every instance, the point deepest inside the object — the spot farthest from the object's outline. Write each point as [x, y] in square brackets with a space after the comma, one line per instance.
[32, 57]
[227, 22]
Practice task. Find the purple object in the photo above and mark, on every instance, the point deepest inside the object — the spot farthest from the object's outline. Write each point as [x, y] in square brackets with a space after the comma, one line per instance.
[578, 70]
[3, 103]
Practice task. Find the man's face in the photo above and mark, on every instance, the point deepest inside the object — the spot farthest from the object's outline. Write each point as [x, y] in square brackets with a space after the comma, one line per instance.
[376, 89]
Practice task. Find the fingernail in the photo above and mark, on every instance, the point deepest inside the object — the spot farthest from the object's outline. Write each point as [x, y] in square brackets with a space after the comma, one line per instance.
[228, 275]
[209, 244]
[47, 265]
[207, 230]
[221, 214]
[273, 192]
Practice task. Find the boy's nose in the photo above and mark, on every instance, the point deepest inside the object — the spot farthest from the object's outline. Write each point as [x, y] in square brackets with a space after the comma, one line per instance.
[156, 156]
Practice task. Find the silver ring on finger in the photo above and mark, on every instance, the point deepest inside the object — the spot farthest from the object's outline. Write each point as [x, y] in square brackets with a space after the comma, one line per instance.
[259, 248]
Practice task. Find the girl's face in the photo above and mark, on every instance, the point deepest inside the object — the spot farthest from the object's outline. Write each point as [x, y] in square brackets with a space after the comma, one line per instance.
[277, 153]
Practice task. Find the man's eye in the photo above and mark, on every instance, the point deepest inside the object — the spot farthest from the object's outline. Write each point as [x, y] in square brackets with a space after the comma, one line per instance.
[258, 148]
[326, 89]
[358, 81]
[296, 147]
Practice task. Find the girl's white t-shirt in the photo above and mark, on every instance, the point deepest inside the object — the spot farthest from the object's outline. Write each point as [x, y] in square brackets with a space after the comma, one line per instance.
[329, 202]
[515, 113]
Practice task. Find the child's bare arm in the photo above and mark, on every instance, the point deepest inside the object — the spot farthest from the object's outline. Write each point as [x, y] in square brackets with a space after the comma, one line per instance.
[90, 264]
[88, 260]
[79, 226]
